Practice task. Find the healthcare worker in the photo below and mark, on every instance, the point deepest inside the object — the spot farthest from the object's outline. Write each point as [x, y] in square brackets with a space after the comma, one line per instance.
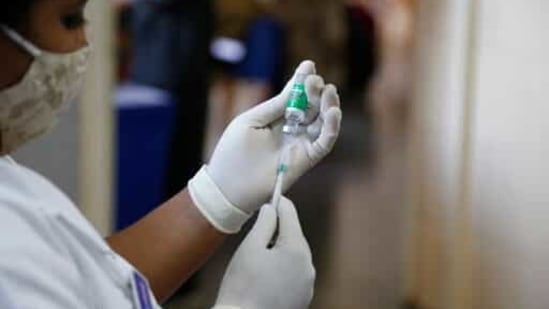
[52, 257]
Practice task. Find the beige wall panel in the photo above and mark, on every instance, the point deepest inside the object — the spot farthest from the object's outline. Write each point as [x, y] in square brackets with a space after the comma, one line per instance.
[438, 263]
[511, 153]
[96, 114]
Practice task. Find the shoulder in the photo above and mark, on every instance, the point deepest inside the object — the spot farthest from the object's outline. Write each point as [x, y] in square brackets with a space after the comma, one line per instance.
[23, 199]
[29, 208]
[50, 255]
[35, 269]
[27, 192]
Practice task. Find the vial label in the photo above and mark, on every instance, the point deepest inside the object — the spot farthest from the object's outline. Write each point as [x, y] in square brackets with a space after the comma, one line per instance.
[298, 98]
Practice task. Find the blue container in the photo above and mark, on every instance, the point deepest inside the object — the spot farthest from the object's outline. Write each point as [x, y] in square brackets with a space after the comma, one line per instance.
[145, 119]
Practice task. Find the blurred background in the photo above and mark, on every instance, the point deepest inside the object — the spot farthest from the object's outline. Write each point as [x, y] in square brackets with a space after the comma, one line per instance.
[435, 195]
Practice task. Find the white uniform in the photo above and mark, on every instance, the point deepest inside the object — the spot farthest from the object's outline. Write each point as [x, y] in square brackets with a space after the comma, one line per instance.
[52, 257]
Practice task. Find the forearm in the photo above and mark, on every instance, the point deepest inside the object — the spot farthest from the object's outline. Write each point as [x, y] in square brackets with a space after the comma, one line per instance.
[169, 244]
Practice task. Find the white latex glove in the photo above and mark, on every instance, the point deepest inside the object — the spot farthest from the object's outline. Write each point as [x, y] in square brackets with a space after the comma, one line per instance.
[278, 278]
[242, 171]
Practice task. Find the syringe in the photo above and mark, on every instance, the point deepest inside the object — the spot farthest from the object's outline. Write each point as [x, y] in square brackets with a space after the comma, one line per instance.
[295, 114]
[282, 168]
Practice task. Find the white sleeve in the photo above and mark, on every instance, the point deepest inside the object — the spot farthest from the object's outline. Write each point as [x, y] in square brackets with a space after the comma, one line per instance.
[5, 301]
[34, 271]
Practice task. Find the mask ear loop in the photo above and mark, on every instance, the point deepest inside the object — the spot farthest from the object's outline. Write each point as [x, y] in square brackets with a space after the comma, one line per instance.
[19, 40]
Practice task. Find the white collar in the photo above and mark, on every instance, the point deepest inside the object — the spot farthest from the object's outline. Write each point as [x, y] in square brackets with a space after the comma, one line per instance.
[9, 159]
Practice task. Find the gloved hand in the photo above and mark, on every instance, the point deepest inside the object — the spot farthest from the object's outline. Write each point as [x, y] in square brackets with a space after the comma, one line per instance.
[278, 278]
[242, 171]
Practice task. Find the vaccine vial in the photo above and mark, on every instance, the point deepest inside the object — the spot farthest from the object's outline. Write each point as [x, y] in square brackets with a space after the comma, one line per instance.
[296, 107]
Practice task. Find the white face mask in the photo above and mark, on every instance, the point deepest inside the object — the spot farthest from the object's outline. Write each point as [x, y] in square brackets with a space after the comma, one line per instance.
[30, 108]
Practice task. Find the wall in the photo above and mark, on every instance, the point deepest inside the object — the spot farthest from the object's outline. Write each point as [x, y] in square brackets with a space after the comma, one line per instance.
[510, 151]
[478, 156]
[440, 119]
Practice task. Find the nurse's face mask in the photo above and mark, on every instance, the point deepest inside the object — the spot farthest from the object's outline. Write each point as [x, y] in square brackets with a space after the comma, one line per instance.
[31, 107]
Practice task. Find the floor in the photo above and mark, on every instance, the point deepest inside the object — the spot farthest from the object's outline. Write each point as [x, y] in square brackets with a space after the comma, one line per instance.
[353, 213]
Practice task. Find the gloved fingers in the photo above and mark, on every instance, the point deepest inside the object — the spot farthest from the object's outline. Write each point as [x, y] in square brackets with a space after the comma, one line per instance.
[290, 232]
[328, 100]
[330, 119]
[328, 136]
[306, 67]
[313, 130]
[266, 113]
[314, 85]
[264, 226]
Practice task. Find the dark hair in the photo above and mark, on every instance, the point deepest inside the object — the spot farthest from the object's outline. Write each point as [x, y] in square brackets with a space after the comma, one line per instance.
[12, 12]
